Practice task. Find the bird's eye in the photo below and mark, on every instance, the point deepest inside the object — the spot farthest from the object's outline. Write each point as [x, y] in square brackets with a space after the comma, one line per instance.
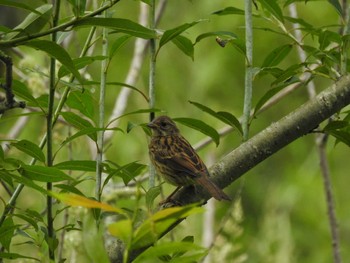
[163, 124]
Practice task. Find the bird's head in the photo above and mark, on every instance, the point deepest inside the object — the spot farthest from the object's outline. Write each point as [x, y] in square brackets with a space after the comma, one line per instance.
[163, 126]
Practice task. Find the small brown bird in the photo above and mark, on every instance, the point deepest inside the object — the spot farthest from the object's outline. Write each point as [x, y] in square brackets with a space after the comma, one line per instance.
[176, 160]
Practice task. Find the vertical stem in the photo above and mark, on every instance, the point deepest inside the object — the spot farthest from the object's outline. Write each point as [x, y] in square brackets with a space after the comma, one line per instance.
[249, 68]
[50, 114]
[101, 105]
[152, 75]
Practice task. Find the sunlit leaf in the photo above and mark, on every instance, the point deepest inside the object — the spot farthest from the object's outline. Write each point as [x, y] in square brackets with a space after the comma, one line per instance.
[152, 228]
[122, 229]
[78, 200]
[200, 126]
[164, 249]
[342, 136]
[15, 256]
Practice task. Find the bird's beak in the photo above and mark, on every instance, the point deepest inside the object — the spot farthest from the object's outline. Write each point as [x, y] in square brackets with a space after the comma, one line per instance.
[151, 125]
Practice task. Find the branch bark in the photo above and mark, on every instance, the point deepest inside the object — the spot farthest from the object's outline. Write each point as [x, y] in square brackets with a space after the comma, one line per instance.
[279, 134]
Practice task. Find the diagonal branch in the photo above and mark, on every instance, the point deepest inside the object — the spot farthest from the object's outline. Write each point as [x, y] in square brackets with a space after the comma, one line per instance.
[279, 134]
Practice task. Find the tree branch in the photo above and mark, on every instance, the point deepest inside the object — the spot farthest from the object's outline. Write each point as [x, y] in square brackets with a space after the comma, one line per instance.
[279, 134]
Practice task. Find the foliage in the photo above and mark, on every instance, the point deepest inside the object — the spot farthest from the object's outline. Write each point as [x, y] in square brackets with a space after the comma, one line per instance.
[200, 57]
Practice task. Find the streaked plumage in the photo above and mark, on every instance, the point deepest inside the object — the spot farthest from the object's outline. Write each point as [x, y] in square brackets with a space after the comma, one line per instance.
[176, 160]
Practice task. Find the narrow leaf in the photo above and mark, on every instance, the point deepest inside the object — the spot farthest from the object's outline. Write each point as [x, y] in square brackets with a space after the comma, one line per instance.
[229, 11]
[335, 125]
[77, 200]
[79, 63]
[122, 229]
[337, 6]
[77, 165]
[79, 123]
[33, 23]
[117, 44]
[200, 126]
[342, 136]
[273, 8]
[15, 256]
[226, 117]
[185, 45]
[56, 51]
[276, 56]
[43, 174]
[120, 25]
[227, 34]
[172, 33]
[30, 148]
[82, 101]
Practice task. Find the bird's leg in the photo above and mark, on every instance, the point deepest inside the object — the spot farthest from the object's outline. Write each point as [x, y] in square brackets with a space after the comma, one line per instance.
[169, 198]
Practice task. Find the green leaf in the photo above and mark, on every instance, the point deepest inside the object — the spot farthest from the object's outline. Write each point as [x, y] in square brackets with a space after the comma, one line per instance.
[7, 230]
[165, 249]
[335, 125]
[337, 6]
[56, 51]
[226, 34]
[15, 256]
[93, 240]
[152, 194]
[132, 113]
[2, 154]
[89, 131]
[120, 25]
[226, 117]
[122, 229]
[30, 148]
[33, 23]
[342, 136]
[77, 165]
[269, 94]
[29, 219]
[200, 126]
[117, 44]
[229, 11]
[326, 37]
[22, 91]
[79, 123]
[118, 84]
[82, 101]
[151, 229]
[127, 172]
[174, 32]
[79, 63]
[273, 8]
[19, 5]
[28, 182]
[185, 45]
[43, 174]
[69, 189]
[276, 56]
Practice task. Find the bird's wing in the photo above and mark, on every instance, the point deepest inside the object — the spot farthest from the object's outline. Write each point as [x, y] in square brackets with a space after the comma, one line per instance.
[182, 159]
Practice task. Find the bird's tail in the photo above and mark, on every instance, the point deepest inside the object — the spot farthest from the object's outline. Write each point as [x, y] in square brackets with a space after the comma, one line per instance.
[212, 188]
